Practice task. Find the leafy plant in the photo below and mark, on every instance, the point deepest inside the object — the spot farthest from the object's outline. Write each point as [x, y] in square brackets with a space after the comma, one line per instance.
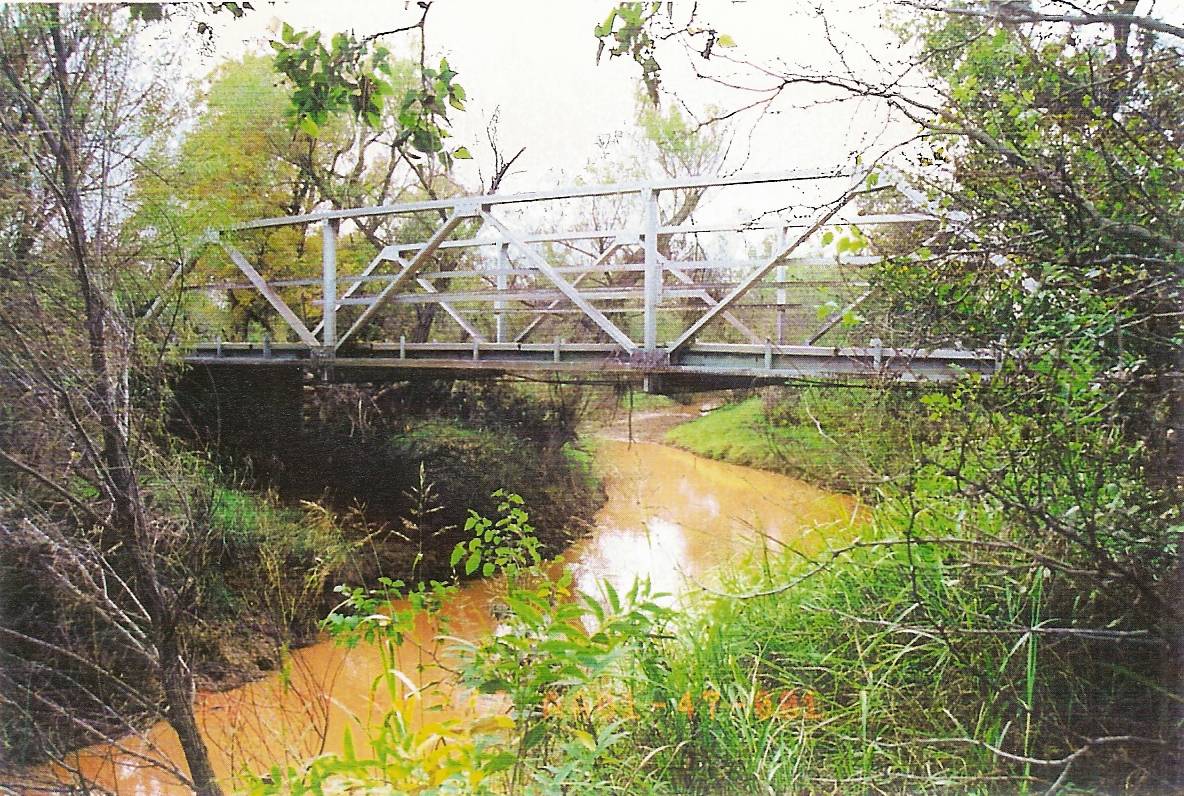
[355, 76]
[506, 545]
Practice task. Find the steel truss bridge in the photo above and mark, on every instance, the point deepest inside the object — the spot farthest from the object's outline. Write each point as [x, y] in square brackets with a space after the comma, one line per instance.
[624, 281]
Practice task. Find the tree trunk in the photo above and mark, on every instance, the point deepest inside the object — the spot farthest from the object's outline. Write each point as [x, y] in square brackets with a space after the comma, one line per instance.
[1174, 435]
[177, 681]
[128, 516]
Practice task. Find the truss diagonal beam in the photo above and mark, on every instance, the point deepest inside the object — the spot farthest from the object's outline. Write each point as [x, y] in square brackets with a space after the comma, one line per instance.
[710, 301]
[452, 311]
[597, 317]
[409, 271]
[833, 320]
[762, 270]
[273, 298]
[177, 276]
[537, 319]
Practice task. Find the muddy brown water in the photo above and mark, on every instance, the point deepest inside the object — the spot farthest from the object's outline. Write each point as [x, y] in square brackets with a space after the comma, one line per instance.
[670, 516]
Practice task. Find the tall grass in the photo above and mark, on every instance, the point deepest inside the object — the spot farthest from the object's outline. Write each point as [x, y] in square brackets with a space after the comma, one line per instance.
[884, 664]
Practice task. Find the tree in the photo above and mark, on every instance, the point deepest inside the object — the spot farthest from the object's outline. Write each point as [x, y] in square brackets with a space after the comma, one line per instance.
[79, 107]
[396, 114]
[233, 165]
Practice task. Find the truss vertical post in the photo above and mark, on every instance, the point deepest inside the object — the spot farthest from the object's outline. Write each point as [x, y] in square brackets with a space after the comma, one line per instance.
[329, 282]
[780, 273]
[413, 267]
[503, 281]
[653, 270]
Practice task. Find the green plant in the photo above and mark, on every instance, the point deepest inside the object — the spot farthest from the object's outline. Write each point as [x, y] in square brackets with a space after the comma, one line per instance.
[550, 644]
[507, 545]
[409, 748]
[356, 77]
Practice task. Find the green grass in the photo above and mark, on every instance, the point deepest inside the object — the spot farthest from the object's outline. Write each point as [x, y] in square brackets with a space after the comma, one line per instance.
[248, 520]
[743, 434]
[647, 402]
[580, 458]
[842, 438]
[450, 433]
[817, 683]
[736, 433]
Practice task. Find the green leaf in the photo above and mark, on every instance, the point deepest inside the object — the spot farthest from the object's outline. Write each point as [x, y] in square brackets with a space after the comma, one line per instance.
[462, 153]
[458, 553]
[472, 563]
[725, 40]
[534, 735]
[524, 611]
[487, 569]
[309, 126]
[585, 738]
[827, 237]
[500, 762]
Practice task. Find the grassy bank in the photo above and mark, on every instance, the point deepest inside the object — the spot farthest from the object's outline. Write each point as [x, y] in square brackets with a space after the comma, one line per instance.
[879, 665]
[890, 670]
[397, 513]
[844, 438]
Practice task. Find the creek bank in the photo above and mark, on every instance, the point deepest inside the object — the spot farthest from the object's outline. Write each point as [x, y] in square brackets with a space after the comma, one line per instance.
[844, 439]
[381, 491]
[669, 517]
[338, 500]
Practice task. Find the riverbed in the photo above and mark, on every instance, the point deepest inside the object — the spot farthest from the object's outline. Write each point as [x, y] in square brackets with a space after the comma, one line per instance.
[670, 516]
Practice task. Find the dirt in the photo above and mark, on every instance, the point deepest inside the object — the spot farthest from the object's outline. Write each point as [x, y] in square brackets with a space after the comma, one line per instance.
[648, 426]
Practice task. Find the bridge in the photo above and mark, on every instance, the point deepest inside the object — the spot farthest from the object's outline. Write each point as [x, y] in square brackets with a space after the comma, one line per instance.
[672, 284]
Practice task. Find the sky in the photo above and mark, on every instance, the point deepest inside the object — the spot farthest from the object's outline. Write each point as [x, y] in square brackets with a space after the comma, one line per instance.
[534, 62]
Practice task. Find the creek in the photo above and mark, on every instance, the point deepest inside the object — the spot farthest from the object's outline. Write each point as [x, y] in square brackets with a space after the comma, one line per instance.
[670, 516]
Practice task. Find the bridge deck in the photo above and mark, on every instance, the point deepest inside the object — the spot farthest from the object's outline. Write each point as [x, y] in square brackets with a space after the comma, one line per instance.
[715, 364]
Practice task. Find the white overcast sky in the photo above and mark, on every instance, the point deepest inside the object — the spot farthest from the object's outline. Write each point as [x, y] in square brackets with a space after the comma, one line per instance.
[534, 60]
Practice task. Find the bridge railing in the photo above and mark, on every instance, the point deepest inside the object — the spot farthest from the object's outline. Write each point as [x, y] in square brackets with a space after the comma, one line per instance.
[650, 268]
